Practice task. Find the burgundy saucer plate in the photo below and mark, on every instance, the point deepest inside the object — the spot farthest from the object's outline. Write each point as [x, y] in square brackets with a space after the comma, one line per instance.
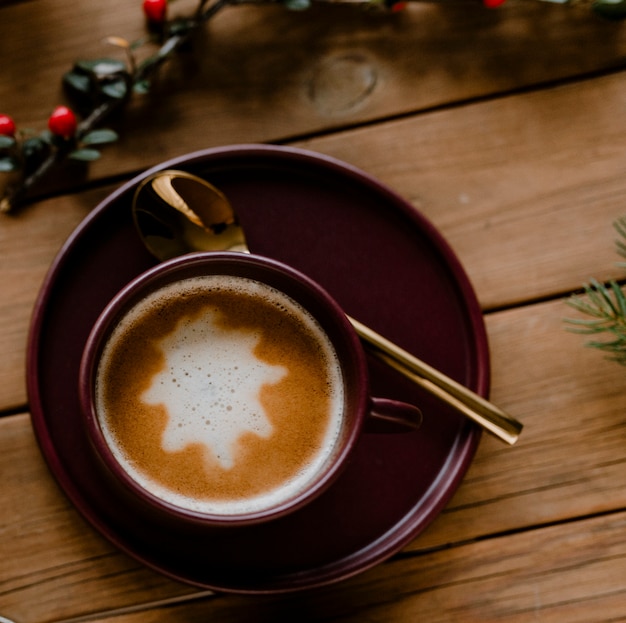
[384, 263]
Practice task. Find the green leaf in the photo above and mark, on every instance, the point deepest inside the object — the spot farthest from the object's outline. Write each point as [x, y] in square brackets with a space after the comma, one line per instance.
[85, 155]
[34, 151]
[34, 144]
[142, 87]
[297, 5]
[99, 137]
[47, 137]
[8, 164]
[139, 42]
[77, 82]
[116, 89]
[102, 66]
[6, 142]
[180, 27]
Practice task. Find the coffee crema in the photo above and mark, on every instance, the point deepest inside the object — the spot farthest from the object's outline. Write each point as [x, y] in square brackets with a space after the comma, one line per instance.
[220, 394]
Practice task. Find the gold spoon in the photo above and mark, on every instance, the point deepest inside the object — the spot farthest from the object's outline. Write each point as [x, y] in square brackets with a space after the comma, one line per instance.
[176, 212]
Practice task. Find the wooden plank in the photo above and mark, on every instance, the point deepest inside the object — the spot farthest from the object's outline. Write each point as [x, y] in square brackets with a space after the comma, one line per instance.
[524, 188]
[268, 74]
[569, 460]
[574, 572]
[568, 464]
[29, 240]
[54, 565]
[526, 199]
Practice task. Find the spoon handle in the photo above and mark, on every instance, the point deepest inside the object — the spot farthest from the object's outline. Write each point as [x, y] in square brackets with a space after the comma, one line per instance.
[481, 411]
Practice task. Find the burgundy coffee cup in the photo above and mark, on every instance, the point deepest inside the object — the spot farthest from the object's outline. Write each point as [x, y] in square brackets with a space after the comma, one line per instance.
[362, 412]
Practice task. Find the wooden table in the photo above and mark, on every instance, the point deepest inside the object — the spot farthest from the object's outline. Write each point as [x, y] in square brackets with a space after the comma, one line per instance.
[507, 129]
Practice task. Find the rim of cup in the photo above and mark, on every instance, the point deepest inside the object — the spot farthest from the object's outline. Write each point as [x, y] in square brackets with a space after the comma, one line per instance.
[332, 318]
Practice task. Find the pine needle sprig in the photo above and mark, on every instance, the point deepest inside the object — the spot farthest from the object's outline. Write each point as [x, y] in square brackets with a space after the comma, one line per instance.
[620, 227]
[604, 306]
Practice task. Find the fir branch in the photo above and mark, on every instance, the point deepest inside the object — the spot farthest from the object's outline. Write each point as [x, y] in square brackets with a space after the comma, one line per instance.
[620, 226]
[604, 306]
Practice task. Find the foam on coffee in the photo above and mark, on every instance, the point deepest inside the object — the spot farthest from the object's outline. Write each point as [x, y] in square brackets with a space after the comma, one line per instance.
[220, 394]
[211, 393]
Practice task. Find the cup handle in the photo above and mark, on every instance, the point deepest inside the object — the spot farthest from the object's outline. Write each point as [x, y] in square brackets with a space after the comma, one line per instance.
[392, 416]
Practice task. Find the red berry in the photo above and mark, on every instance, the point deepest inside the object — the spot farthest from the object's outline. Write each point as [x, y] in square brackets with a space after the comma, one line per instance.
[396, 7]
[492, 4]
[155, 10]
[62, 122]
[7, 126]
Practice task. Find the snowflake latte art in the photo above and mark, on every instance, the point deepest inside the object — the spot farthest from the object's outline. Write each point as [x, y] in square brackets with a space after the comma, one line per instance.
[220, 394]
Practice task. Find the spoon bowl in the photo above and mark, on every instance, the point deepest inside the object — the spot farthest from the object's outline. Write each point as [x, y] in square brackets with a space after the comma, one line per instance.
[176, 212]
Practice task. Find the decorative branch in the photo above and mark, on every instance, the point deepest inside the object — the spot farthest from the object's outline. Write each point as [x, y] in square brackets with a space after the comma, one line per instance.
[604, 306]
[100, 87]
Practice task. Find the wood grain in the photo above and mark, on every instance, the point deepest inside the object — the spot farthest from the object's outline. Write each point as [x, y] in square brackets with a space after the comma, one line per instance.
[527, 577]
[47, 548]
[526, 222]
[264, 74]
[507, 130]
[569, 464]
[29, 241]
[569, 461]
[527, 203]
